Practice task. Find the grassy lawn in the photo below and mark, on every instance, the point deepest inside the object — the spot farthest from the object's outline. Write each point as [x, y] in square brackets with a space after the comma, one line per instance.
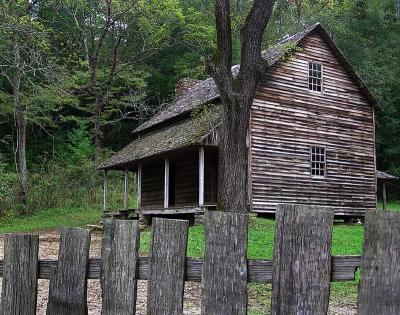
[48, 219]
[393, 205]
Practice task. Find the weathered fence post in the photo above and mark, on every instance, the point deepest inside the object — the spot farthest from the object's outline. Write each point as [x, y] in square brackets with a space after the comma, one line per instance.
[119, 266]
[224, 285]
[379, 291]
[302, 260]
[167, 263]
[67, 289]
[20, 275]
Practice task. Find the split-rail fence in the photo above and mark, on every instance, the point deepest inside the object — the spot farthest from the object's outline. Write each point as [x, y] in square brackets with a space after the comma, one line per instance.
[300, 272]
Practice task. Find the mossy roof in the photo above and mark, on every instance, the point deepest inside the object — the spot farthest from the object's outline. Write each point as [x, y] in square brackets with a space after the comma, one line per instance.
[189, 132]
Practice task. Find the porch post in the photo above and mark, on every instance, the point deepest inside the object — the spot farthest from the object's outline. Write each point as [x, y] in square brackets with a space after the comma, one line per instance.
[105, 191]
[384, 195]
[201, 176]
[126, 188]
[166, 182]
[139, 185]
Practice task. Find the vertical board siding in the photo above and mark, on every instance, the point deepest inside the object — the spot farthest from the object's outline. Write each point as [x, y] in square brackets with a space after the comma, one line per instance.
[152, 184]
[167, 263]
[302, 260]
[20, 275]
[224, 283]
[379, 291]
[67, 288]
[210, 177]
[119, 267]
[187, 179]
[287, 119]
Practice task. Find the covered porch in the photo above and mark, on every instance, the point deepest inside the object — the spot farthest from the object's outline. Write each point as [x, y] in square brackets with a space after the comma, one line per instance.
[183, 182]
[176, 168]
[177, 183]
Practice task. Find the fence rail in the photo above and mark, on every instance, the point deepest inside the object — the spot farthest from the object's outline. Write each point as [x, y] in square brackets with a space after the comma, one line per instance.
[260, 271]
[300, 272]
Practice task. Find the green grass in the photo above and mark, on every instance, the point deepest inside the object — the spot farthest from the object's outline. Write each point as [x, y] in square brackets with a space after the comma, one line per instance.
[393, 205]
[48, 219]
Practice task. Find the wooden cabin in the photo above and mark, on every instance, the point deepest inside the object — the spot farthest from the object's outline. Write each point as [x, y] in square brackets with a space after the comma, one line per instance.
[312, 138]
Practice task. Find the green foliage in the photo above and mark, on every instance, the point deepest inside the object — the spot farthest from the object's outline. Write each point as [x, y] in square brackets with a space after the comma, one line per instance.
[8, 188]
[80, 146]
[290, 49]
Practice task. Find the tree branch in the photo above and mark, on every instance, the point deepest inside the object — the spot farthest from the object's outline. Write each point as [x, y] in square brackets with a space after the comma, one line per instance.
[252, 34]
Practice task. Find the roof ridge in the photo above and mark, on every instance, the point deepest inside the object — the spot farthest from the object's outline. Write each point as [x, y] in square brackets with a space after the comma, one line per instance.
[206, 91]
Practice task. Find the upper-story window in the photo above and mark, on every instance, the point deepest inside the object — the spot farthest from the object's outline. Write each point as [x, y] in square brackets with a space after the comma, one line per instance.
[315, 77]
[318, 161]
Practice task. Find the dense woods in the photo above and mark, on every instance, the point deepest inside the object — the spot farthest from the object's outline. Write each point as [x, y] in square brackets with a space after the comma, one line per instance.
[76, 77]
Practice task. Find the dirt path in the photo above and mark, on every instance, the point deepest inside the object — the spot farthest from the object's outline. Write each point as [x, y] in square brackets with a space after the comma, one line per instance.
[48, 248]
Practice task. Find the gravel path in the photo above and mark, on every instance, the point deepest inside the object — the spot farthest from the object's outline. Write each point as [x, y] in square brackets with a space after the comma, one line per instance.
[48, 248]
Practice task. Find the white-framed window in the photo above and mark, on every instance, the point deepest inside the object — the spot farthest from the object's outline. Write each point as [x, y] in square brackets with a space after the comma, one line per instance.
[315, 77]
[318, 161]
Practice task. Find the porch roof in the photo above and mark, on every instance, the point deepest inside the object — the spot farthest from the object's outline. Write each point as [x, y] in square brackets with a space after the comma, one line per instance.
[191, 131]
[385, 176]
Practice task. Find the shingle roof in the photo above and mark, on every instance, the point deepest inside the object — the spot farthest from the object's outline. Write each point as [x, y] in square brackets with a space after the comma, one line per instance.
[188, 132]
[206, 91]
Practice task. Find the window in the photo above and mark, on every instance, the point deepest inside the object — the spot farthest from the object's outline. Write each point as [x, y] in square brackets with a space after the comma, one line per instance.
[318, 161]
[315, 77]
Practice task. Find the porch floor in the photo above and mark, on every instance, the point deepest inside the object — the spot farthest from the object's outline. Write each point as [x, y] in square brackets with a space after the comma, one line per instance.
[176, 210]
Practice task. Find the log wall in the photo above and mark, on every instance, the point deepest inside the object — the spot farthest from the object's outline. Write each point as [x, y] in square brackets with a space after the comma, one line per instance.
[287, 119]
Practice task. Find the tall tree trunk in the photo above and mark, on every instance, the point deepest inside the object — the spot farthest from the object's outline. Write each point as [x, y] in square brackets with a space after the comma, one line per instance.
[233, 152]
[97, 106]
[237, 96]
[101, 100]
[20, 122]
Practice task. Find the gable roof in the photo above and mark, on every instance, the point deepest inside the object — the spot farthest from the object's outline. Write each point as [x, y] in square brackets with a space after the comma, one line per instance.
[206, 91]
[191, 131]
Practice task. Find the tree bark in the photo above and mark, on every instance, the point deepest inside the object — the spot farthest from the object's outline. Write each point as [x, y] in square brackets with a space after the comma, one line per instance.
[236, 97]
[20, 123]
[233, 161]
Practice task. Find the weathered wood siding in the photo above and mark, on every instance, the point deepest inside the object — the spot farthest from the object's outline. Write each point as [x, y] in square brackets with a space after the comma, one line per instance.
[186, 168]
[210, 177]
[287, 119]
[153, 184]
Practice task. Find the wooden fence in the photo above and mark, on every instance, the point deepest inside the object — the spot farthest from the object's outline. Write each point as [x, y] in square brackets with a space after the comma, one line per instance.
[300, 272]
